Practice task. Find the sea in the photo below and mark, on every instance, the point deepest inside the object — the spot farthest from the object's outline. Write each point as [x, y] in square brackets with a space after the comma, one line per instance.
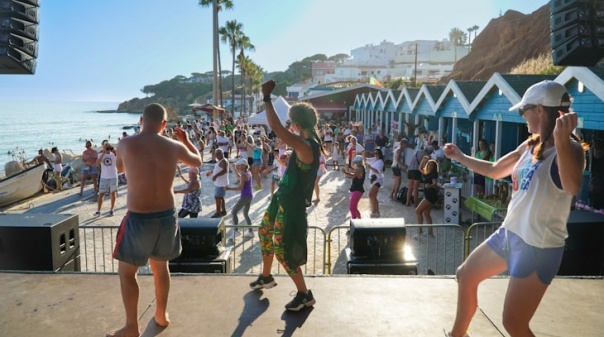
[26, 127]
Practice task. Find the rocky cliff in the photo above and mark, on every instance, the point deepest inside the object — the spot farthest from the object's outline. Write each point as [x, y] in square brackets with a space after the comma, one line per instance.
[504, 43]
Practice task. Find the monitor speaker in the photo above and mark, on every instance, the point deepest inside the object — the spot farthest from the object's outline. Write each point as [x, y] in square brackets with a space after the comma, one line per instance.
[577, 32]
[39, 242]
[377, 239]
[201, 239]
[18, 36]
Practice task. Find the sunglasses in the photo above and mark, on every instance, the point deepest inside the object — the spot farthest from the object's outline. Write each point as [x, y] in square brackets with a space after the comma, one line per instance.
[525, 109]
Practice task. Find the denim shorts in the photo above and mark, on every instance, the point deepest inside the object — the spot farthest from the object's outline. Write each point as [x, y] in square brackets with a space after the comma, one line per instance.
[523, 259]
[219, 191]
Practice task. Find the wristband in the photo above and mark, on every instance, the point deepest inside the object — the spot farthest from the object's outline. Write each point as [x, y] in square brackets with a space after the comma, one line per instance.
[266, 99]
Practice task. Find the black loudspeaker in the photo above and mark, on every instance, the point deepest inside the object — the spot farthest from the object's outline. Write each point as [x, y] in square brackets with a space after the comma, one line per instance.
[220, 264]
[377, 239]
[18, 36]
[39, 242]
[577, 32]
[407, 266]
[584, 248]
[201, 239]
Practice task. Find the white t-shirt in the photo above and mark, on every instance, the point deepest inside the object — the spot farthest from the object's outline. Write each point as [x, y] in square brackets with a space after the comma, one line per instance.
[225, 143]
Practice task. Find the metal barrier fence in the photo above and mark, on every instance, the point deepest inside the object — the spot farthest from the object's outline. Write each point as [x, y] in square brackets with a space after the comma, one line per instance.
[439, 254]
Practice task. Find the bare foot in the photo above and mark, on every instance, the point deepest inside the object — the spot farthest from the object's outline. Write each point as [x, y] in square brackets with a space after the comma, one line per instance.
[162, 320]
[124, 332]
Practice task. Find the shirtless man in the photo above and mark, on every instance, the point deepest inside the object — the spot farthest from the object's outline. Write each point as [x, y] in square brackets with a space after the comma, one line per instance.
[149, 161]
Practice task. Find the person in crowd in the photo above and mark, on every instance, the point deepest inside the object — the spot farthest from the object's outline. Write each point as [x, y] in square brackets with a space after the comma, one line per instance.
[211, 139]
[89, 168]
[414, 177]
[547, 171]
[375, 167]
[353, 149]
[398, 166]
[223, 143]
[108, 182]
[245, 199]
[335, 156]
[249, 146]
[484, 154]
[149, 231]
[328, 138]
[220, 178]
[257, 163]
[357, 174]
[381, 141]
[41, 159]
[266, 152]
[191, 202]
[284, 226]
[429, 170]
[57, 167]
[320, 172]
[437, 152]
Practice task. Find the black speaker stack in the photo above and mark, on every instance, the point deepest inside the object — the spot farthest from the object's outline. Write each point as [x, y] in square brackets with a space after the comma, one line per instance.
[18, 36]
[377, 246]
[577, 32]
[39, 242]
[203, 250]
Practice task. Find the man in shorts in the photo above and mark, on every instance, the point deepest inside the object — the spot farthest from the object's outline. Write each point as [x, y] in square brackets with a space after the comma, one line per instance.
[149, 231]
[220, 178]
[108, 182]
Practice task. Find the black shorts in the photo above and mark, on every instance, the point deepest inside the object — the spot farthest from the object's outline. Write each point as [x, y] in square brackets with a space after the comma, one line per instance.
[396, 171]
[414, 175]
[479, 179]
[431, 194]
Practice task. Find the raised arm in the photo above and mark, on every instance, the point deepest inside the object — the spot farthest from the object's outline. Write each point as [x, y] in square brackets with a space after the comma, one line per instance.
[189, 153]
[302, 147]
[570, 156]
[495, 170]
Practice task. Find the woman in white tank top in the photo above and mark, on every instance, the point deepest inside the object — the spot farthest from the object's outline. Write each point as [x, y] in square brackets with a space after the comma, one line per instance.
[546, 170]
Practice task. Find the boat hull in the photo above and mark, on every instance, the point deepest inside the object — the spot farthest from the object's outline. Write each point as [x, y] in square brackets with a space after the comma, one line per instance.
[21, 185]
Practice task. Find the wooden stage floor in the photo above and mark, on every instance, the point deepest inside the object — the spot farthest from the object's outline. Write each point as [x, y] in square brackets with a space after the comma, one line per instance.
[66, 305]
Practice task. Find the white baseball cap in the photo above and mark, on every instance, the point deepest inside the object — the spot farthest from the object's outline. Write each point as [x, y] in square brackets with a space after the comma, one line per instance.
[242, 162]
[545, 93]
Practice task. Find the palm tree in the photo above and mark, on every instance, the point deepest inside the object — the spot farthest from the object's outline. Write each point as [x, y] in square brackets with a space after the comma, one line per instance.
[457, 37]
[231, 33]
[470, 30]
[222, 4]
[475, 30]
[244, 44]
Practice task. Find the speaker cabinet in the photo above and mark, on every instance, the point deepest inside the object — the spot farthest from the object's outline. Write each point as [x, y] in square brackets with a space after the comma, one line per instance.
[18, 36]
[584, 248]
[377, 239]
[405, 266]
[220, 264]
[577, 32]
[39, 242]
[201, 239]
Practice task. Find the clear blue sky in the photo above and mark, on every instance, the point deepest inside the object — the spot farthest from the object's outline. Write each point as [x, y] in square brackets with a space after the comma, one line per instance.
[108, 50]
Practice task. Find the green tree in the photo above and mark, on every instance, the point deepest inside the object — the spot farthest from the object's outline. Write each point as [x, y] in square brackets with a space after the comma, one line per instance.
[231, 33]
[475, 30]
[245, 64]
[339, 58]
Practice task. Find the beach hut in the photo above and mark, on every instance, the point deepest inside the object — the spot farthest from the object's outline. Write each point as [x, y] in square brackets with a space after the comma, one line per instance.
[454, 112]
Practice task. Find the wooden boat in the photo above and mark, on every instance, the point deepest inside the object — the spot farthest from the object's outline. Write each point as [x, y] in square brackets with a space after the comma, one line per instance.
[21, 185]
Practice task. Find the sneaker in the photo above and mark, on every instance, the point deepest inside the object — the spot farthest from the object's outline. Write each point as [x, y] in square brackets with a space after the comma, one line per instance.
[263, 282]
[97, 213]
[111, 213]
[257, 187]
[300, 301]
[223, 213]
[415, 237]
[248, 234]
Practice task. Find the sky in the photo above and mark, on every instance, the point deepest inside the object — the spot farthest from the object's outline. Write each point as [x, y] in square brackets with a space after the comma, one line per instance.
[108, 50]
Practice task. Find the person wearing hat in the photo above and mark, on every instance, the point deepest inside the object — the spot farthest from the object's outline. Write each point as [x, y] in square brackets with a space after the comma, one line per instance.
[547, 171]
[356, 186]
[245, 199]
[191, 202]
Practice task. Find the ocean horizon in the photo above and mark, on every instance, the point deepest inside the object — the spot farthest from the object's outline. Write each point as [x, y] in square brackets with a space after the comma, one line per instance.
[28, 126]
